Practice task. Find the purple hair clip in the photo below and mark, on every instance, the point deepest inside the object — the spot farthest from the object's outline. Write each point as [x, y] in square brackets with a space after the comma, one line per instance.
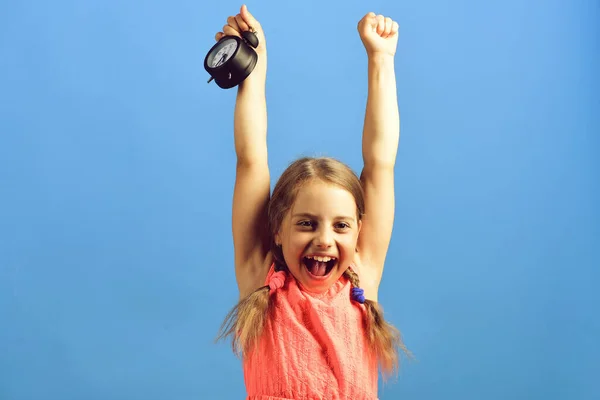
[358, 295]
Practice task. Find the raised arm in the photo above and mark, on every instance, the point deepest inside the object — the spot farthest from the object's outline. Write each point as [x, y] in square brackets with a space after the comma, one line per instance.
[381, 135]
[252, 182]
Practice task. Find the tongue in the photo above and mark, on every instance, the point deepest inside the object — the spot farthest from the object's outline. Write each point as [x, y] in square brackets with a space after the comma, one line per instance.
[318, 268]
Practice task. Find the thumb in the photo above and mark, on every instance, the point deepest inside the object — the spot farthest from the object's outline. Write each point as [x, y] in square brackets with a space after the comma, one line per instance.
[248, 18]
[368, 22]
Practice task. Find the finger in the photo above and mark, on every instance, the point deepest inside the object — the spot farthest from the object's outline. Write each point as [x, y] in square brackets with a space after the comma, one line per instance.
[231, 21]
[219, 35]
[241, 23]
[372, 21]
[228, 30]
[395, 28]
[248, 17]
[388, 27]
[380, 24]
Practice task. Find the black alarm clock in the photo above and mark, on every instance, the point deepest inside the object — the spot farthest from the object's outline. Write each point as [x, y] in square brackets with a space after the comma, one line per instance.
[232, 59]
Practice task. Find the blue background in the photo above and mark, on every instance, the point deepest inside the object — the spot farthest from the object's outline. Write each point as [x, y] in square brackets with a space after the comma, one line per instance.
[117, 170]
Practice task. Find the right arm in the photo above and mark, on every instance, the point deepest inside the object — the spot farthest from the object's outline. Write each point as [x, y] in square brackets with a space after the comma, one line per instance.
[252, 183]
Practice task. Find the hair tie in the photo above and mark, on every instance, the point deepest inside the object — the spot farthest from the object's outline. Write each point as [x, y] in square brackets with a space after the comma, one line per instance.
[358, 295]
[276, 281]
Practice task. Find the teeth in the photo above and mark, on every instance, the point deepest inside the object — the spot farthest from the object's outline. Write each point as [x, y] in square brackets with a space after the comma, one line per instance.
[321, 259]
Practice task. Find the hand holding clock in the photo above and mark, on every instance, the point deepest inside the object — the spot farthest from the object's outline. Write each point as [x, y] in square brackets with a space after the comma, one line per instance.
[242, 22]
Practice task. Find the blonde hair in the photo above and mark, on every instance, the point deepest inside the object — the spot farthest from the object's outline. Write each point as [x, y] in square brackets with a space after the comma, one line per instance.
[246, 320]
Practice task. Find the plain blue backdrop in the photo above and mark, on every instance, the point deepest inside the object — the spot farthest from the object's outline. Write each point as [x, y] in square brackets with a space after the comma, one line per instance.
[117, 169]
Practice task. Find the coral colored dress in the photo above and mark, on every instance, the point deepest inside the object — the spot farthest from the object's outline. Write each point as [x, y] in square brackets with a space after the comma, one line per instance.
[313, 347]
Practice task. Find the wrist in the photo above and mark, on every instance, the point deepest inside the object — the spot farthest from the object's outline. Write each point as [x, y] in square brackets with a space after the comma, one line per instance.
[258, 77]
[381, 58]
[254, 83]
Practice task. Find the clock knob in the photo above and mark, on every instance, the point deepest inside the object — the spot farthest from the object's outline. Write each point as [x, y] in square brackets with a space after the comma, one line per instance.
[251, 38]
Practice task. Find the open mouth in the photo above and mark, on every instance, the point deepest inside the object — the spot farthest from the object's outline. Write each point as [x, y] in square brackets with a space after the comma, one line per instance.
[319, 267]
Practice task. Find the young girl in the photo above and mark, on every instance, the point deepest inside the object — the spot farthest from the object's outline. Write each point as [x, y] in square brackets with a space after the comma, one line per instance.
[309, 258]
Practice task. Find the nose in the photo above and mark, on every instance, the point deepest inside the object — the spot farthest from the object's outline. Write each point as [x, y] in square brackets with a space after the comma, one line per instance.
[324, 238]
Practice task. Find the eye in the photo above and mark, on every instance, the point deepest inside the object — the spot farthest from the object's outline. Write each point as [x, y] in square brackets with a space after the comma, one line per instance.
[342, 225]
[306, 223]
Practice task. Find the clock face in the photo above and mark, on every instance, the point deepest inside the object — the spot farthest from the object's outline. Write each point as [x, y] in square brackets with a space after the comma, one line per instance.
[222, 53]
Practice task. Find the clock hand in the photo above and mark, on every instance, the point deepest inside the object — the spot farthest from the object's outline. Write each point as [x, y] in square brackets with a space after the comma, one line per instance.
[222, 60]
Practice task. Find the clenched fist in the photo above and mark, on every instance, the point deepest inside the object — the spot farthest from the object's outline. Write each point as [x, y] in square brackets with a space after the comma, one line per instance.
[379, 34]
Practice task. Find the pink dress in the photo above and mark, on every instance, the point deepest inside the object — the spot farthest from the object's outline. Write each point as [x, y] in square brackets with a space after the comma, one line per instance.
[313, 347]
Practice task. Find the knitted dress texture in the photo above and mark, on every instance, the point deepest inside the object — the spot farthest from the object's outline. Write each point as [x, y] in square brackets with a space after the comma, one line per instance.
[313, 346]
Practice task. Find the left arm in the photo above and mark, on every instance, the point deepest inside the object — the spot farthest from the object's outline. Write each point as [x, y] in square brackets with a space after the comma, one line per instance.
[381, 135]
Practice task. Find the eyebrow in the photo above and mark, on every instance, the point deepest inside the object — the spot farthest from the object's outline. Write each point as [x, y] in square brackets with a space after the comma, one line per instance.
[312, 216]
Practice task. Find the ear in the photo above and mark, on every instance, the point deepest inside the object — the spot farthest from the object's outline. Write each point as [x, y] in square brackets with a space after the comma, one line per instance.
[358, 234]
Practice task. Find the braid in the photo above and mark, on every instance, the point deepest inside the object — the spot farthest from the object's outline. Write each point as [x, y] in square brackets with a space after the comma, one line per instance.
[381, 335]
[352, 277]
[245, 322]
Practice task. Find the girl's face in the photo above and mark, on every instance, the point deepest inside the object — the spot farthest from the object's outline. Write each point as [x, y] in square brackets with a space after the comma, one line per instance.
[318, 235]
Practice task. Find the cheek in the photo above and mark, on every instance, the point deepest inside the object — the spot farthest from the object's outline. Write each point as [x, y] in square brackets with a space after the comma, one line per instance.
[349, 245]
[297, 243]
